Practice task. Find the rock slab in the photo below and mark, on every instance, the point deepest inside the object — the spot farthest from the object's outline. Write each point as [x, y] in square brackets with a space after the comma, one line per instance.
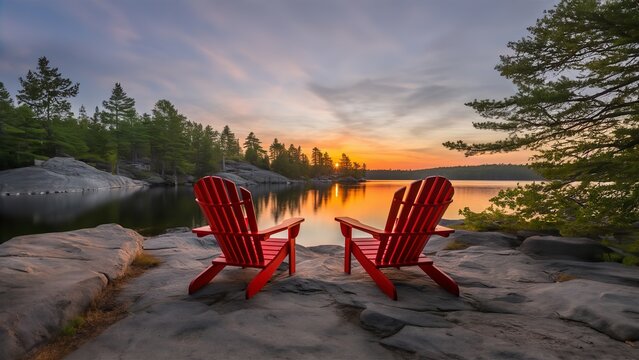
[60, 175]
[48, 279]
[245, 174]
[557, 247]
[511, 308]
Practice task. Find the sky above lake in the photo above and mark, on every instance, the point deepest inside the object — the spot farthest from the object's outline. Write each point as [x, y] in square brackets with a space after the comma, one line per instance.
[383, 81]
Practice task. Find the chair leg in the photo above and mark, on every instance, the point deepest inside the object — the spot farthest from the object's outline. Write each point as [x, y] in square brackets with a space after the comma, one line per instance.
[380, 279]
[263, 276]
[347, 255]
[205, 277]
[291, 257]
[441, 278]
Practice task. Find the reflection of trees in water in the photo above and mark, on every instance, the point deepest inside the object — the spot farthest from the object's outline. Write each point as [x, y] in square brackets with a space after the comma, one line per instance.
[148, 211]
[283, 201]
[344, 192]
[280, 201]
[321, 196]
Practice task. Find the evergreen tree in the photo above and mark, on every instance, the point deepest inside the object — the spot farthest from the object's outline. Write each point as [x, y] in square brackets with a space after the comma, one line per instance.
[357, 170]
[6, 108]
[327, 164]
[230, 144]
[120, 116]
[316, 157]
[345, 165]
[576, 105]
[276, 149]
[254, 153]
[46, 92]
[169, 143]
[205, 150]
[20, 133]
[83, 118]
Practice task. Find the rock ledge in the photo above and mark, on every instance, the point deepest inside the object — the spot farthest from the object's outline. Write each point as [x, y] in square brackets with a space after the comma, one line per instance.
[60, 175]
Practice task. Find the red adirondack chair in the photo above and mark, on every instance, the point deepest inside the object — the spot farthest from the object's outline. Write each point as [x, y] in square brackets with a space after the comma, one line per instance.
[411, 222]
[232, 222]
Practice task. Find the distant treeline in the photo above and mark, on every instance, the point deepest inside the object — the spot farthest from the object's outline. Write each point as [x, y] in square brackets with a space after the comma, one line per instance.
[480, 172]
[163, 140]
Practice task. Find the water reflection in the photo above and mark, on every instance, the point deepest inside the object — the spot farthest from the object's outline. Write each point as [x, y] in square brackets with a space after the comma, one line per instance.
[151, 211]
[368, 202]
[148, 211]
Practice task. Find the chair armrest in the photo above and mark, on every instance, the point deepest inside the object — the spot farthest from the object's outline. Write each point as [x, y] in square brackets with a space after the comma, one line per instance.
[284, 225]
[443, 231]
[202, 231]
[355, 224]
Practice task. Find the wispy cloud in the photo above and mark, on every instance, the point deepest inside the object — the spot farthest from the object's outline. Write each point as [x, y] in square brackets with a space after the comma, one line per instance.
[383, 81]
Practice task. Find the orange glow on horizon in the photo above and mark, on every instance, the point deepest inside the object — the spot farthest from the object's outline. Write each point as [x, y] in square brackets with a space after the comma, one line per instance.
[411, 160]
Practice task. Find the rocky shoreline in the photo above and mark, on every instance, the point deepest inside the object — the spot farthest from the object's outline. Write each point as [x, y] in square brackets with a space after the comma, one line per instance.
[67, 175]
[61, 175]
[516, 303]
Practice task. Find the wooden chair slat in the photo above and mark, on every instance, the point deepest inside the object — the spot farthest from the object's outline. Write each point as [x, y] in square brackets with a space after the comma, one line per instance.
[246, 242]
[229, 220]
[401, 224]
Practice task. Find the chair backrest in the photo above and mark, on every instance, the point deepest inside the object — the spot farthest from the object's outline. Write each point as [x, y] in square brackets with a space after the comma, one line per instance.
[232, 220]
[412, 217]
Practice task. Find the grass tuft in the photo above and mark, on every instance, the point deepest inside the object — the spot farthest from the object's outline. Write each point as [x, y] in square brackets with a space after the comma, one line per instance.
[72, 327]
[456, 245]
[563, 277]
[146, 261]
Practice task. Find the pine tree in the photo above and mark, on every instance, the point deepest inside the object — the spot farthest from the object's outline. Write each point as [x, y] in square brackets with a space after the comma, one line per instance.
[169, 143]
[345, 165]
[576, 106]
[21, 134]
[253, 153]
[276, 149]
[327, 164]
[120, 116]
[46, 92]
[230, 144]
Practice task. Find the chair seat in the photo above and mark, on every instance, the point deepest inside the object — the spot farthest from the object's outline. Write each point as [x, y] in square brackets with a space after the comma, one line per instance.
[370, 246]
[270, 247]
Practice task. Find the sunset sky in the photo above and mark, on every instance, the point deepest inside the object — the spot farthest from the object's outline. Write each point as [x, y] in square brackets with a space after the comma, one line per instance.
[383, 81]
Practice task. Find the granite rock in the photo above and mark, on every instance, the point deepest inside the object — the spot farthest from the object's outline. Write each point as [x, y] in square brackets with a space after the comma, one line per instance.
[60, 175]
[511, 307]
[245, 174]
[557, 247]
[48, 279]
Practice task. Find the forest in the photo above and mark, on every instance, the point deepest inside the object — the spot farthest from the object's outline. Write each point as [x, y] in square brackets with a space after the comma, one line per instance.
[480, 172]
[41, 125]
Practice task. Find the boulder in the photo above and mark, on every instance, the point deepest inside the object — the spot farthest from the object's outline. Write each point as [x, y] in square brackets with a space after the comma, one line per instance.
[48, 279]
[556, 247]
[464, 239]
[250, 174]
[60, 175]
[238, 180]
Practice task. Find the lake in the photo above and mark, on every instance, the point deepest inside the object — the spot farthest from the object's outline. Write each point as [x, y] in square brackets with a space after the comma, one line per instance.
[152, 211]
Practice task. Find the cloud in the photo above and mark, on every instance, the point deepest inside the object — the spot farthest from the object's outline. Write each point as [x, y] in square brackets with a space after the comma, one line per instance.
[365, 77]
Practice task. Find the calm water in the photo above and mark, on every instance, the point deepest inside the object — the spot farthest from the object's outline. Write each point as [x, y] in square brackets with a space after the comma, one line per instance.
[151, 211]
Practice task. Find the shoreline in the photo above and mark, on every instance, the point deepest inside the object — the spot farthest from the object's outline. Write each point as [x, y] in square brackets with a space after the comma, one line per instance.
[502, 287]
